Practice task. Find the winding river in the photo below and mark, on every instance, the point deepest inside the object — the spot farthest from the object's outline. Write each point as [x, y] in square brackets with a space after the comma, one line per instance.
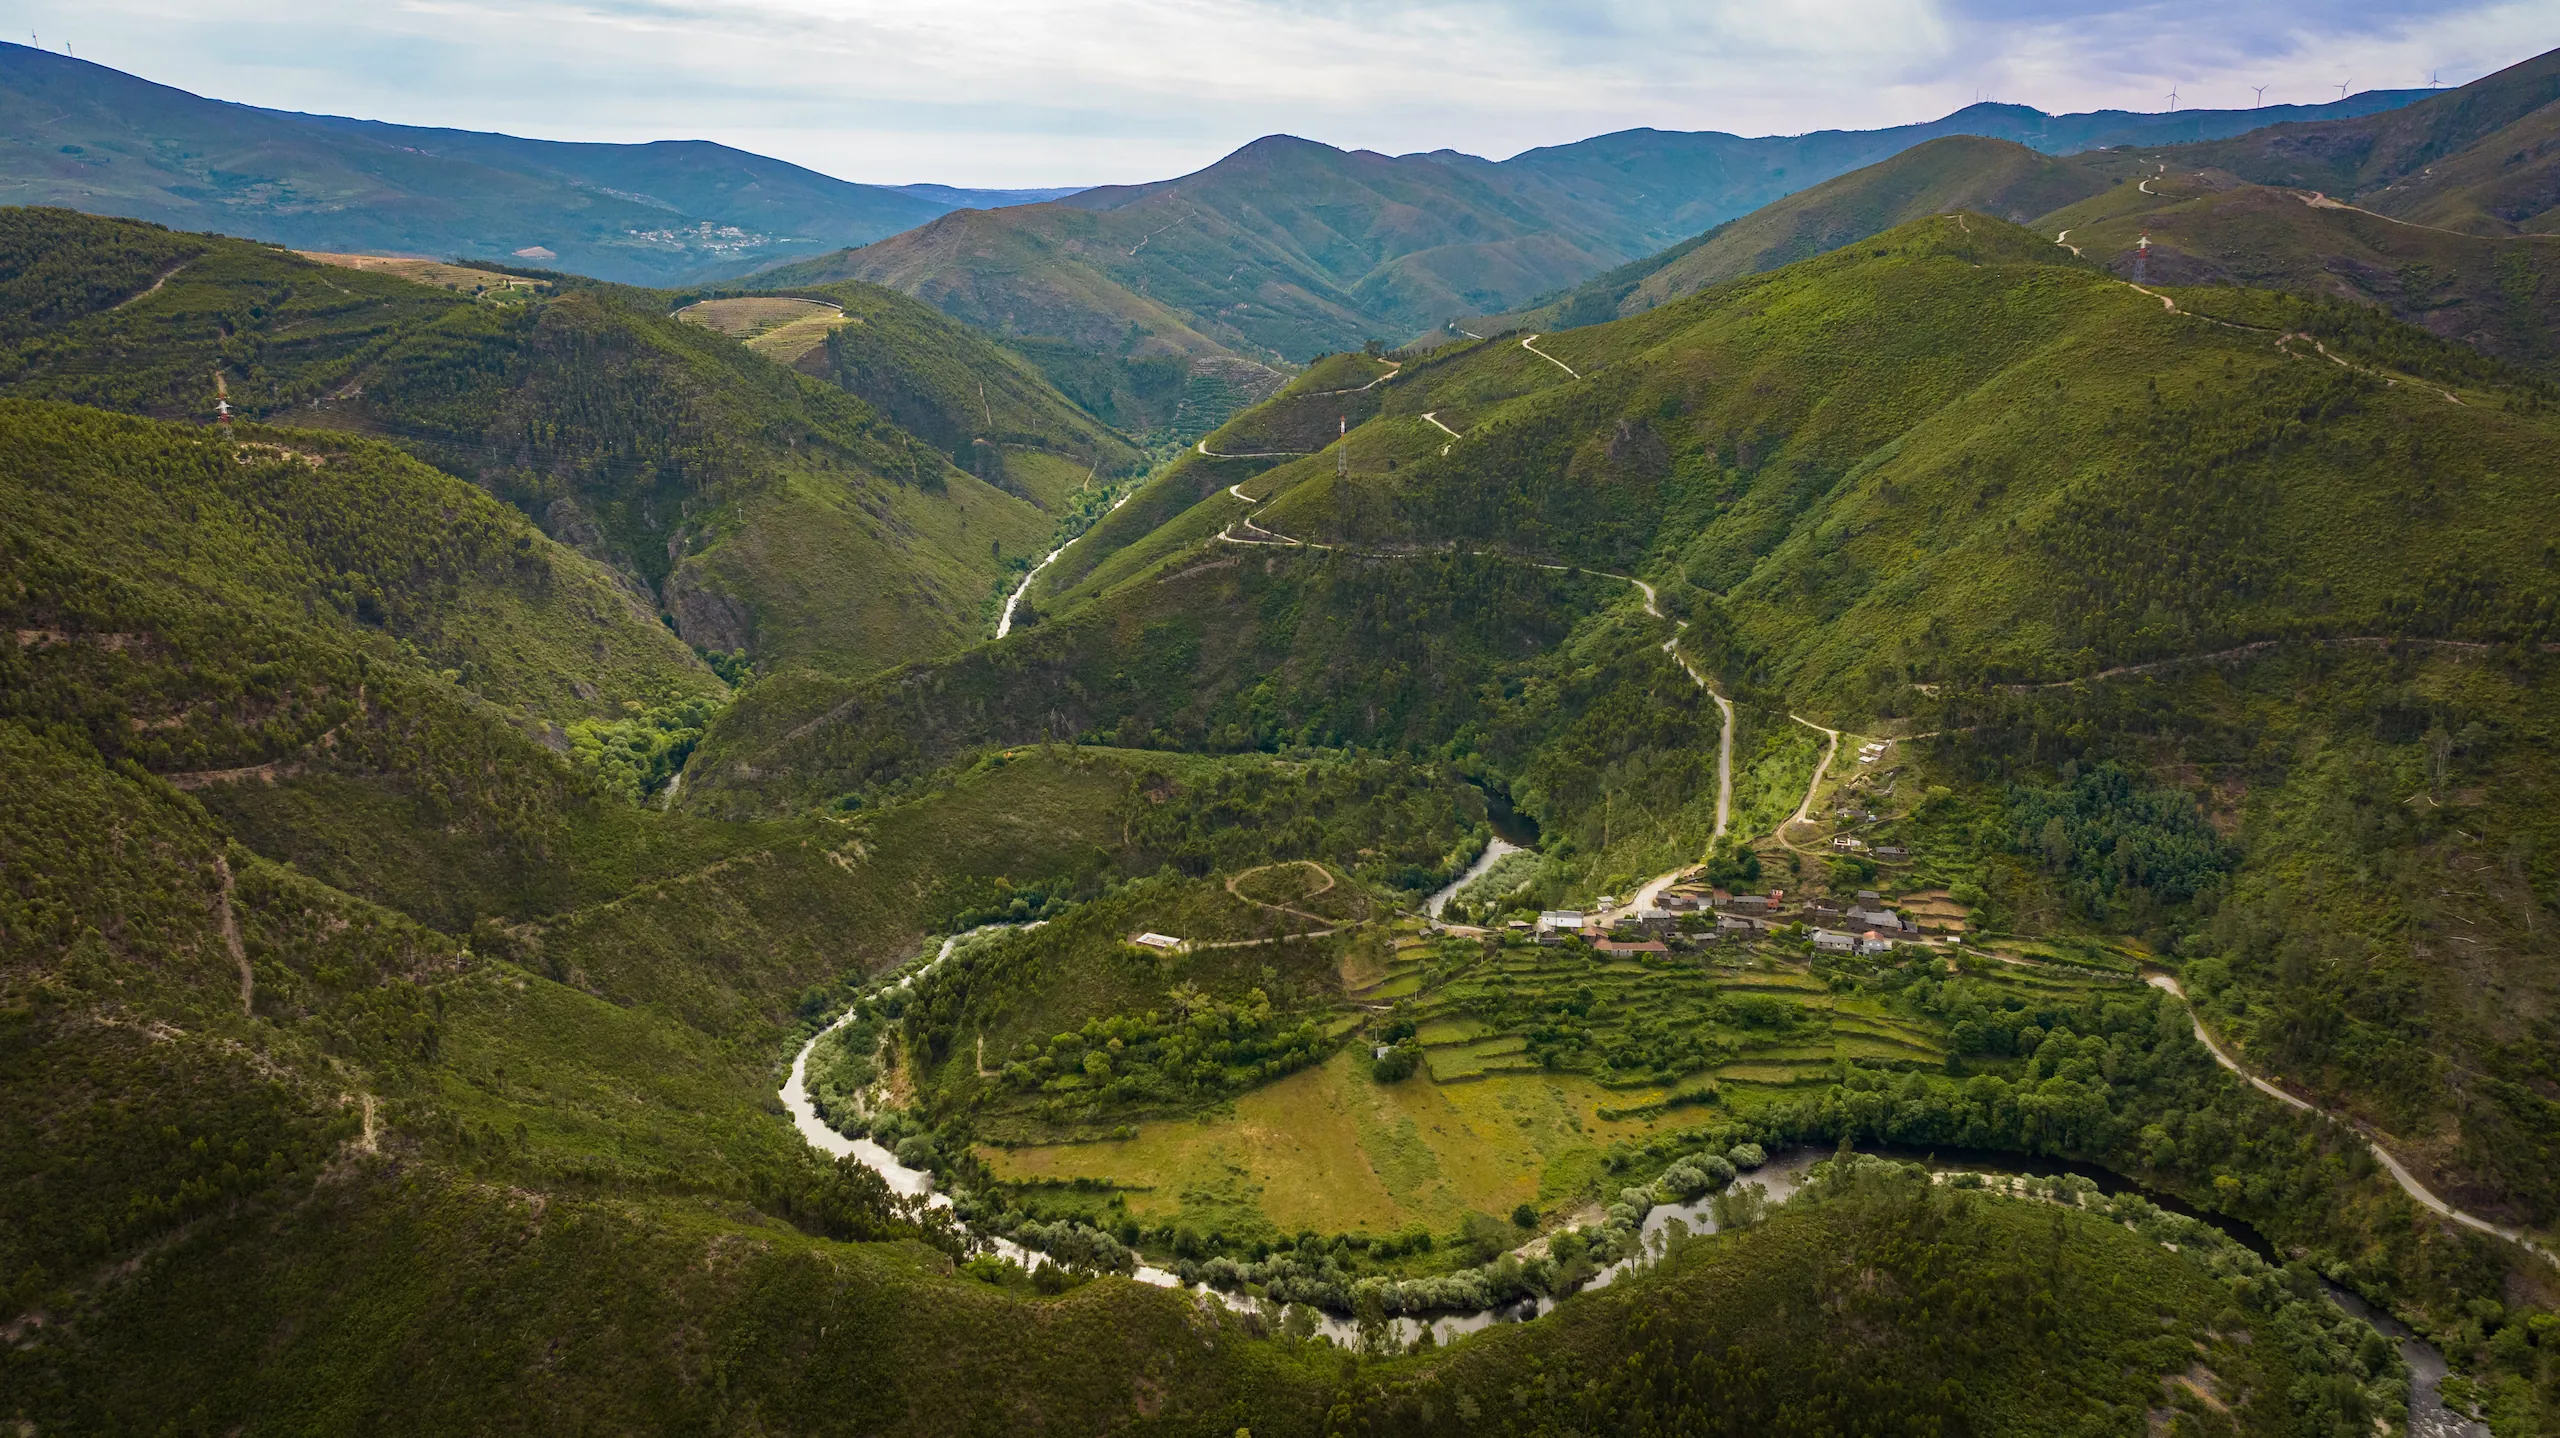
[1779, 1180]
[1494, 852]
[1013, 601]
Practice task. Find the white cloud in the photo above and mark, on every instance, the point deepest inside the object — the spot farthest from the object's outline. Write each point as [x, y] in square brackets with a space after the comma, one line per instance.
[1003, 92]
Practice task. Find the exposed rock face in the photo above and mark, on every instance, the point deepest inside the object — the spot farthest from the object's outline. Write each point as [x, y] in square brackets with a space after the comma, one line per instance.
[708, 616]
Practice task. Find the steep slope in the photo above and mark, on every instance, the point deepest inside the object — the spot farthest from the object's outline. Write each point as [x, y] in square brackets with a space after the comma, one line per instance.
[95, 139]
[282, 1145]
[987, 408]
[1987, 176]
[1288, 248]
[1929, 481]
[2488, 287]
[2499, 295]
[2481, 159]
[761, 509]
[1839, 418]
[1283, 248]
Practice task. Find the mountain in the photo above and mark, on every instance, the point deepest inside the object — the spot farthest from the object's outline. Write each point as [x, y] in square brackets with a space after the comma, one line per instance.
[1289, 249]
[764, 511]
[95, 139]
[1994, 177]
[1923, 483]
[392, 1042]
[963, 199]
[2487, 285]
[2481, 159]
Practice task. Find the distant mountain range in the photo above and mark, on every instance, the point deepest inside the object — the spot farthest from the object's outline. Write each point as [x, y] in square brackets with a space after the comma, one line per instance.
[2445, 212]
[1288, 248]
[89, 138]
[1283, 249]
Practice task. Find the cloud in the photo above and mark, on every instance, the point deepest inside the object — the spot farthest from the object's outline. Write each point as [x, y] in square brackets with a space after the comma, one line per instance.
[1022, 92]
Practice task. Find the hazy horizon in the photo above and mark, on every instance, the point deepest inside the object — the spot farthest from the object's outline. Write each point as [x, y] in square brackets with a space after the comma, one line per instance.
[994, 94]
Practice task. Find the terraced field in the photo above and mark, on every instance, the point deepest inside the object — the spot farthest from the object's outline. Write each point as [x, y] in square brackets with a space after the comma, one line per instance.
[1535, 1062]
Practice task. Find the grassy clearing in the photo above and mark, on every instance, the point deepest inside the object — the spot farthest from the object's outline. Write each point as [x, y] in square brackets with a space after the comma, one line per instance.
[1328, 1149]
[462, 278]
[747, 318]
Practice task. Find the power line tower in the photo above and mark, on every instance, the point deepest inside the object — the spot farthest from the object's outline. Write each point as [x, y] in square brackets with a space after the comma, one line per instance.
[2142, 260]
[1342, 448]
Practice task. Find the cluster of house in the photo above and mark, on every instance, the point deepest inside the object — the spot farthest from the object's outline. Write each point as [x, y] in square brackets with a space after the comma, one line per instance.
[1862, 926]
[1866, 926]
[1852, 844]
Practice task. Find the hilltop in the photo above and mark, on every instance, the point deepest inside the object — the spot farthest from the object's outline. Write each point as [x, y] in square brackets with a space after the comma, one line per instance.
[1288, 248]
[768, 512]
[2431, 212]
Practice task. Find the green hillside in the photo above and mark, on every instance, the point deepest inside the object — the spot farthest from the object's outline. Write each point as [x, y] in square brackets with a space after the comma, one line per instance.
[1992, 177]
[1881, 484]
[411, 906]
[1287, 248]
[2500, 296]
[2441, 231]
[983, 406]
[2478, 160]
[759, 508]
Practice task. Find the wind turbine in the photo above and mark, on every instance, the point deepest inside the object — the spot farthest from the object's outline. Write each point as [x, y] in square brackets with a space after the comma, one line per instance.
[2262, 95]
[2173, 99]
[2342, 87]
[2432, 82]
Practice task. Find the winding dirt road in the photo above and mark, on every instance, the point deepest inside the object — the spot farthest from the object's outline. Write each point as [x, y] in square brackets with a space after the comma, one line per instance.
[1531, 345]
[2408, 1182]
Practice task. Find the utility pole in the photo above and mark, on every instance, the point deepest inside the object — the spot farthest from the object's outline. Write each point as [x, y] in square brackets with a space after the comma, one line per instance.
[1342, 448]
[221, 403]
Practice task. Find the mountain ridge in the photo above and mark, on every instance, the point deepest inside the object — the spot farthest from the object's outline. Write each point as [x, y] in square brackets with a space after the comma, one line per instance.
[1286, 248]
[94, 138]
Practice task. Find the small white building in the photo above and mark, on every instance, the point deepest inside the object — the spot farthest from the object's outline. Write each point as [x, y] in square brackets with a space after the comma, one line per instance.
[1152, 940]
[1560, 921]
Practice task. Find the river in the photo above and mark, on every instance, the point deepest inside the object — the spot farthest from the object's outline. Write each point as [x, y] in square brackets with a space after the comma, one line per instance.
[1494, 850]
[1779, 1180]
[1004, 625]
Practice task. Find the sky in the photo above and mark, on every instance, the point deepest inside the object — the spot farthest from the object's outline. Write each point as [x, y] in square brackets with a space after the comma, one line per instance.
[1020, 93]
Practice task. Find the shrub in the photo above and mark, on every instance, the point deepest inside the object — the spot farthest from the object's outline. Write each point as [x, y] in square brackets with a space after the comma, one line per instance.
[1398, 1063]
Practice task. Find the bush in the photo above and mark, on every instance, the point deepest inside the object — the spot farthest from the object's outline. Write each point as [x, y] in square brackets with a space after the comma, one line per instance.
[1747, 1156]
[1398, 1063]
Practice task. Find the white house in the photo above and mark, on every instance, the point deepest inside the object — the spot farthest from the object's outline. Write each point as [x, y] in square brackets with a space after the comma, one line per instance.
[1560, 921]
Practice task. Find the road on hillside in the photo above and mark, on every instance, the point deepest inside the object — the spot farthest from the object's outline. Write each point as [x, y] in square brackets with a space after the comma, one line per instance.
[2408, 1181]
[1531, 345]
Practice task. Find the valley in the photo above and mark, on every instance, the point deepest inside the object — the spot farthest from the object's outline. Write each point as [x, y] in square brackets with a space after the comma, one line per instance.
[1881, 782]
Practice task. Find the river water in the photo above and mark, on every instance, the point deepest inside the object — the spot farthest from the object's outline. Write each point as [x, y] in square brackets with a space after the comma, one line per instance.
[1004, 625]
[1494, 851]
[1779, 1180]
